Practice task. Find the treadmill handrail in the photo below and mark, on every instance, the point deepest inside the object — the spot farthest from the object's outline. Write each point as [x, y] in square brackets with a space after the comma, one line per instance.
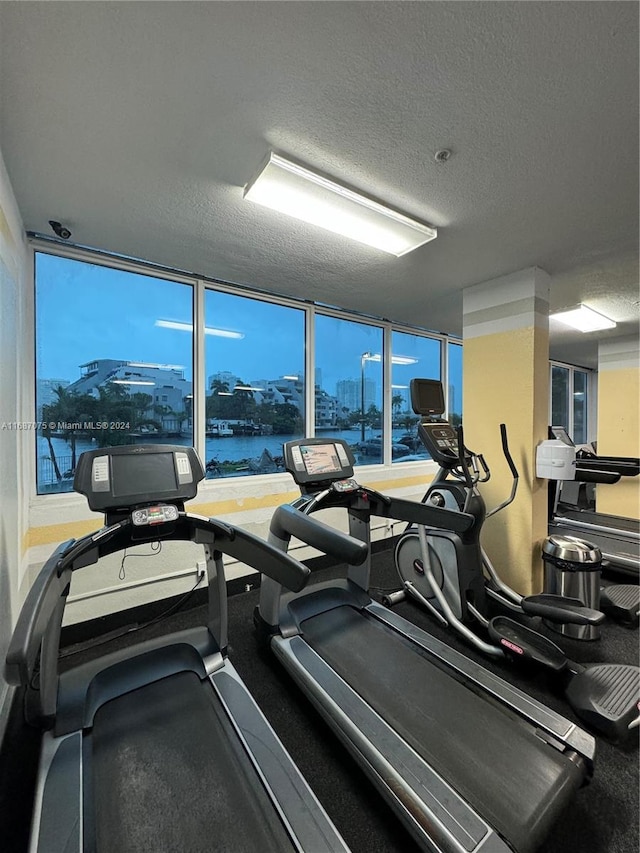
[52, 583]
[425, 515]
[625, 467]
[42, 599]
[587, 473]
[288, 521]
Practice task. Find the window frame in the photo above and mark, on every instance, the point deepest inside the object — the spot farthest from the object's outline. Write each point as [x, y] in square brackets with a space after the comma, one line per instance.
[591, 389]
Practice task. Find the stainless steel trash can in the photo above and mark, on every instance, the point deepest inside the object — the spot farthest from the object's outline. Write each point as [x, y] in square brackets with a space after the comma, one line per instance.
[572, 567]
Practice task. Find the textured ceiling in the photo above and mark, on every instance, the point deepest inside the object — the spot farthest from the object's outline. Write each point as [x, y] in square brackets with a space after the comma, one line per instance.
[137, 124]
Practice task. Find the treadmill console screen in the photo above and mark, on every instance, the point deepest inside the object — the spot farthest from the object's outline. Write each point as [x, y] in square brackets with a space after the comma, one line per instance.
[427, 396]
[152, 472]
[116, 478]
[318, 460]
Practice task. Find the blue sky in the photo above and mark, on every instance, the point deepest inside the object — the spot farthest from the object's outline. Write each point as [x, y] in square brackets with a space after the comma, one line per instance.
[86, 312]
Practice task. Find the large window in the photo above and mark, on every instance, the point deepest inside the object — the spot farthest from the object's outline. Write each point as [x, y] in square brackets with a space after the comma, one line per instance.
[570, 401]
[412, 357]
[114, 363]
[580, 407]
[454, 397]
[348, 384]
[117, 358]
[255, 383]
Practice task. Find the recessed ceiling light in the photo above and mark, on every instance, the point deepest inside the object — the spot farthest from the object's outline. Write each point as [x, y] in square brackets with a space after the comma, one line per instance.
[299, 192]
[584, 319]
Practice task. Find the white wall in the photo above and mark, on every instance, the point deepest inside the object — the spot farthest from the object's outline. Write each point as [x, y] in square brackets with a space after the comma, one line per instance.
[14, 319]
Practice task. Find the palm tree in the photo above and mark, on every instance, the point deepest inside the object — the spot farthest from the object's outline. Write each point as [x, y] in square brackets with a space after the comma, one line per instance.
[74, 411]
[396, 401]
[214, 402]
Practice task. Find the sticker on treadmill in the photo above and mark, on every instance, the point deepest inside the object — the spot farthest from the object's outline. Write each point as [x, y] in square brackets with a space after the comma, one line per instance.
[512, 646]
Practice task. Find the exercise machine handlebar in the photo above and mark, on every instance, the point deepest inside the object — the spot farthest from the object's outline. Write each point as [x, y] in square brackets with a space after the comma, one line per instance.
[46, 598]
[288, 521]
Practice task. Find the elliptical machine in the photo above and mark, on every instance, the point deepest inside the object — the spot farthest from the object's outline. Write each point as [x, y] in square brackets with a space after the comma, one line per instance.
[445, 572]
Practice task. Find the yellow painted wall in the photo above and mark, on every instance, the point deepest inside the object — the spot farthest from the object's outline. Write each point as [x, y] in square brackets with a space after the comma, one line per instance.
[619, 435]
[506, 379]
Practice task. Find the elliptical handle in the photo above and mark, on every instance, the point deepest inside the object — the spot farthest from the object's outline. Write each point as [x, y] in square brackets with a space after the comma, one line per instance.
[462, 457]
[487, 473]
[514, 472]
[507, 454]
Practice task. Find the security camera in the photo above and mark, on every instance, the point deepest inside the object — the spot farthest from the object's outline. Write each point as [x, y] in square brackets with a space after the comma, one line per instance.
[60, 230]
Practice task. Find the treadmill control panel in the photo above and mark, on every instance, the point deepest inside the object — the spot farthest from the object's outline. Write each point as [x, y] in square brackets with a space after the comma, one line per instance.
[154, 515]
[320, 460]
[124, 477]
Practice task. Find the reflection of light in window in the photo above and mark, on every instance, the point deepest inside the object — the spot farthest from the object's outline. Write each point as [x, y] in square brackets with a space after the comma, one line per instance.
[395, 359]
[130, 382]
[208, 330]
[157, 366]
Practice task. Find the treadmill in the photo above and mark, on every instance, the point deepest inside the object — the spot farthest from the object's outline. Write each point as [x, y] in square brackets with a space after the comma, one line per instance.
[617, 537]
[468, 762]
[159, 746]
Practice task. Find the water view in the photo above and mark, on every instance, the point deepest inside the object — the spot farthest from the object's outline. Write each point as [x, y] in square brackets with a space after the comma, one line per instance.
[231, 456]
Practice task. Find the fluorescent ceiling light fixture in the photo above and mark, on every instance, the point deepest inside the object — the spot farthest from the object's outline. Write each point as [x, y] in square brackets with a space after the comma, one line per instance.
[224, 393]
[584, 319]
[208, 330]
[298, 192]
[400, 387]
[293, 378]
[247, 388]
[130, 382]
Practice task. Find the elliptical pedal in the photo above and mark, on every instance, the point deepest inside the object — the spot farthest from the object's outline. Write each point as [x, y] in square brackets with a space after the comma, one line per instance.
[622, 603]
[607, 697]
[519, 642]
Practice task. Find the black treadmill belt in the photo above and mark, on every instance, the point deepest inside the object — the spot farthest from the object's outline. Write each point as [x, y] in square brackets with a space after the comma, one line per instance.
[169, 774]
[487, 754]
